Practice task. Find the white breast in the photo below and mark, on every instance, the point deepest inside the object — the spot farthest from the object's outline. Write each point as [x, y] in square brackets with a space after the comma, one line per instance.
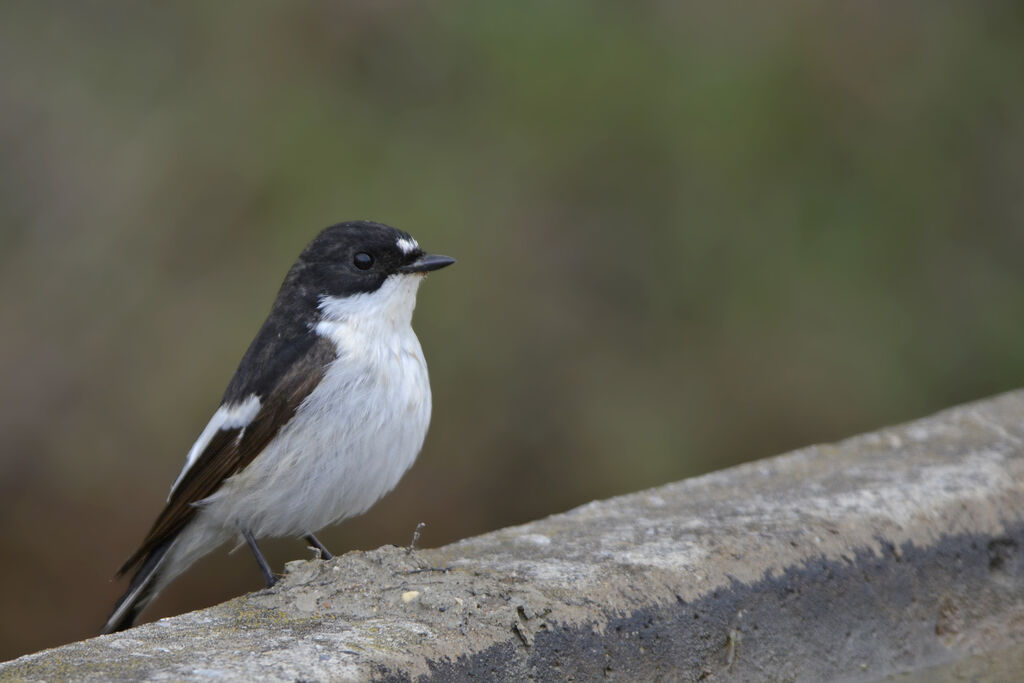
[354, 436]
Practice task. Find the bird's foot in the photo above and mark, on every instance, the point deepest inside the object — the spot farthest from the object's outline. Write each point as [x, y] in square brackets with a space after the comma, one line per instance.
[316, 545]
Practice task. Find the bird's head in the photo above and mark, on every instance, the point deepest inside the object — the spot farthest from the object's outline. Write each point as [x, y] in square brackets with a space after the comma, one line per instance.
[361, 266]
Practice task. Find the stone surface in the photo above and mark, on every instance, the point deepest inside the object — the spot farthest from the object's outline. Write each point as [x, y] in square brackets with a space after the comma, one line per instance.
[889, 553]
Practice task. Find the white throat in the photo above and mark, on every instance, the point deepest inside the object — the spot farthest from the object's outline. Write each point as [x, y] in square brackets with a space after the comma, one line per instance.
[391, 306]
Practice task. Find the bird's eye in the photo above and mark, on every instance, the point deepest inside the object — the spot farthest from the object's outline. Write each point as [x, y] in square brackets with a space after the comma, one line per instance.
[362, 260]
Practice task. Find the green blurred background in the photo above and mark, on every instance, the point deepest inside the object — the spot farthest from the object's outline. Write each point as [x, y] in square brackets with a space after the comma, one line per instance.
[689, 235]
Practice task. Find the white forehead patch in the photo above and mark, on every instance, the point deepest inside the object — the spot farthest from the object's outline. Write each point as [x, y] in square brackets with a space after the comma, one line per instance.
[407, 245]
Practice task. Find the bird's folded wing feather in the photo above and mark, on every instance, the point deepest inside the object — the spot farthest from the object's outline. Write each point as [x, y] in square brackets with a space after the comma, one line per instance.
[230, 442]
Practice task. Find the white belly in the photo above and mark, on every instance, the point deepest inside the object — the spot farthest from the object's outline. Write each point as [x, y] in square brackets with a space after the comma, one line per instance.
[348, 444]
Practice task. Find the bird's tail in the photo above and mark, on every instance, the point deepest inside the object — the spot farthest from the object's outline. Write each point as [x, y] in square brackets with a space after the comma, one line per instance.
[144, 586]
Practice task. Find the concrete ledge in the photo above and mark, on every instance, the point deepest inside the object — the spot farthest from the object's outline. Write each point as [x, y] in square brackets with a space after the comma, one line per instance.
[896, 551]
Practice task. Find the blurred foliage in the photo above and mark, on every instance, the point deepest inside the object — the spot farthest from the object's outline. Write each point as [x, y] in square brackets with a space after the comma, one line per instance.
[688, 235]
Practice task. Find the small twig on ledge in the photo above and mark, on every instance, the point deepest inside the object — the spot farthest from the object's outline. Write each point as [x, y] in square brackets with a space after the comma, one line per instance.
[443, 570]
[415, 537]
[412, 547]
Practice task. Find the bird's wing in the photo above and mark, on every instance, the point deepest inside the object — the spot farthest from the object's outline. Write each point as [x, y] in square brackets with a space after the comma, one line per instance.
[240, 430]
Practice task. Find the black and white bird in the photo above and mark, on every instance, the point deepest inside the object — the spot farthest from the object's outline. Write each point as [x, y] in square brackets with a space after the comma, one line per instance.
[327, 410]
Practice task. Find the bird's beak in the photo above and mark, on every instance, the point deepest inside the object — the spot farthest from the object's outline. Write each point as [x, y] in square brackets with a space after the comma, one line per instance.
[427, 263]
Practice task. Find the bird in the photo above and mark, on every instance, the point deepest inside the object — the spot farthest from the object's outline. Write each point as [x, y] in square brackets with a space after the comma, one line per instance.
[327, 410]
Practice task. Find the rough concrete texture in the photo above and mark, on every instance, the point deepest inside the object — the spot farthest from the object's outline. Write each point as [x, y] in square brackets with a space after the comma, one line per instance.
[889, 553]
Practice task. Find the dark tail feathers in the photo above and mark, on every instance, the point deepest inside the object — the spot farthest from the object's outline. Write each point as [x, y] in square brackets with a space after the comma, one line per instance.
[140, 591]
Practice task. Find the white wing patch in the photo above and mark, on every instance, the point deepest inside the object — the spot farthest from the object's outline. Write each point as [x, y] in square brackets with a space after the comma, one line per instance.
[228, 416]
[407, 246]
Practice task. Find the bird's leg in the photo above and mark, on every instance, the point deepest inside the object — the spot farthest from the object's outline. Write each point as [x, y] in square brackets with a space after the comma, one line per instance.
[268, 575]
[315, 542]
